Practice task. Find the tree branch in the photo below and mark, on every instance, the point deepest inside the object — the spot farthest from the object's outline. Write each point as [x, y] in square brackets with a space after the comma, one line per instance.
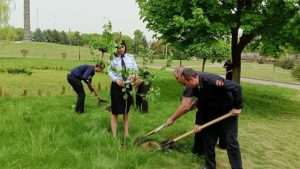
[244, 40]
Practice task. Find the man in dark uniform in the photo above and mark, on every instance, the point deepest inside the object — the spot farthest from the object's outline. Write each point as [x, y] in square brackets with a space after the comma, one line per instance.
[189, 93]
[228, 66]
[85, 73]
[214, 100]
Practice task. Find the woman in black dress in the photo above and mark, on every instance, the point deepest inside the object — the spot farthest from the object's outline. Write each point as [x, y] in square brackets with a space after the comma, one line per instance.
[121, 100]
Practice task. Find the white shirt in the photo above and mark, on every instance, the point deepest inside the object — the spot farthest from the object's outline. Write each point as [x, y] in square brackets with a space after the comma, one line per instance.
[117, 63]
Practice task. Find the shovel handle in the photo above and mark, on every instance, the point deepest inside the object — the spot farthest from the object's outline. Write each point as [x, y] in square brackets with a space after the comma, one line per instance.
[203, 126]
[156, 130]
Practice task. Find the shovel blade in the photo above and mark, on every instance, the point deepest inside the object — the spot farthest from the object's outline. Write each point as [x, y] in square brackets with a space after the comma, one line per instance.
[167, 145]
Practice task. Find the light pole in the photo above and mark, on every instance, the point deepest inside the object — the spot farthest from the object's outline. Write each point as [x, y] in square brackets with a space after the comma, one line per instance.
[79, 45]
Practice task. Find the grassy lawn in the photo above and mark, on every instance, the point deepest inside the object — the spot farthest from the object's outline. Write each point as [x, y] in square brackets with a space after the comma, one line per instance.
[44, 50]
[42, 131]
[54, 51]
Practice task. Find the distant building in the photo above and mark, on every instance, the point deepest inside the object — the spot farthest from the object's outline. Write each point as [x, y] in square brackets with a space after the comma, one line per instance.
[26, 19]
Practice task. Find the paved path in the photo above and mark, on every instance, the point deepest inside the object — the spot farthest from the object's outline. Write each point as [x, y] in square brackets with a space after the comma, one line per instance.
[249, 80]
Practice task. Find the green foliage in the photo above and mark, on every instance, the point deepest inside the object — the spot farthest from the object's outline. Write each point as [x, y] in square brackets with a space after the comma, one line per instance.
[146, 54]
[38, 36]
[99, 44]
[190, 22]
[75, 38]
[139, 40]
[260, 61]
[55, 36]
[7, 34]
[19, 71]
[287, 64]
[158, 48]
[214, 51]
[296, 72]
[4, 12]
[19, 34]
[63, 38]
[48, 35]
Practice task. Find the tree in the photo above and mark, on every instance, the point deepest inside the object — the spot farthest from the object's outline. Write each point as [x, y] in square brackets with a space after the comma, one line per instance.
[272, 49]
[214, 51]
[75, 38]
[139, 39]
[55, 36]
[86, 38]
[48, 35]
[98, 43]
[63, 38]
[19, 34]
[105, 42]
[4, 16]
[158, 48]
[38, 36]
[186, 22]
[7, 34]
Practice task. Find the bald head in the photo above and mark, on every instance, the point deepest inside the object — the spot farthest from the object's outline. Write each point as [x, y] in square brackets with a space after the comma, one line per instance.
[178, 71]
[178, 74]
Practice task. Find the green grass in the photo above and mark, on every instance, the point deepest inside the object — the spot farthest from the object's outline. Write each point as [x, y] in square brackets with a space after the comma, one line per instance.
[249, 70]
[54, 51]
[44, 50]
[44, 132]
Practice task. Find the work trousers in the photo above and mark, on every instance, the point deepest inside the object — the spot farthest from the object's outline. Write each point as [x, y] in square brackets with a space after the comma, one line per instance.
[230, 131]
[78, 88]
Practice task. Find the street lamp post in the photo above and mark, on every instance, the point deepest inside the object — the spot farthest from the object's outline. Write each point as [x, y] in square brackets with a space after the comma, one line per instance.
[79, 46]
[79, 51]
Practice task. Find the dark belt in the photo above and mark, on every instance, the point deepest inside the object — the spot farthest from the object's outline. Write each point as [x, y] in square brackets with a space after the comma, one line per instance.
[70, 74]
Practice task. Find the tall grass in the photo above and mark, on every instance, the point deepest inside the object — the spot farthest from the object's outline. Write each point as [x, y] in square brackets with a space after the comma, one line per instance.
[44, 132]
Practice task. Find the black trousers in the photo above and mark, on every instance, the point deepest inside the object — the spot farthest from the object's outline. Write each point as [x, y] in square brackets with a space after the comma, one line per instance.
[198, 148]
[211, 134]
[140, 102]
[229, 76]
[78, 88]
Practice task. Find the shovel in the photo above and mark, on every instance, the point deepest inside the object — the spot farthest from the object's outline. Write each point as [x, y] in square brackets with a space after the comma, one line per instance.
[98, 98]
[139, 140]
[95, 94]
[171, 142]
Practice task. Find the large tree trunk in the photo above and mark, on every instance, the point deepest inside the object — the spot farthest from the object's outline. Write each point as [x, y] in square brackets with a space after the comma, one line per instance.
[102, 55]
[236, 51]
[203, 64]
[236, 56]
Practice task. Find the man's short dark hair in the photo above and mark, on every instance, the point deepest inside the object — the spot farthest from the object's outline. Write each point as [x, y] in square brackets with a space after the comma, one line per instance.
[188, 73]
[100, 64]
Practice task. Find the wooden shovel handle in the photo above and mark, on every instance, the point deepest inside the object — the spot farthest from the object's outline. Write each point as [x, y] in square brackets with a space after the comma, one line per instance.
[156, 130]
[203, 126]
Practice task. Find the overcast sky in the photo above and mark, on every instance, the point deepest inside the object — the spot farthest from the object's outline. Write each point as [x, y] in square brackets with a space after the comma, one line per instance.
[86, 16]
